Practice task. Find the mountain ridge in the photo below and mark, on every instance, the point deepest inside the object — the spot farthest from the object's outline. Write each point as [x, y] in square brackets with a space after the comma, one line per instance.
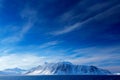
[67, 68]
[13, 71]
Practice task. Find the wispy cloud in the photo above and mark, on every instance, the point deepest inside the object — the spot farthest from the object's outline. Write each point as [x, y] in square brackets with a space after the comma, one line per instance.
[20, 60]
[5, 50]
[78, 25]
[97, 50]
[98, 56]
[67, 29]
[98, 60]
[25, 60]
[89, 56]
[49, 44]
[73, 14]
[29, 16]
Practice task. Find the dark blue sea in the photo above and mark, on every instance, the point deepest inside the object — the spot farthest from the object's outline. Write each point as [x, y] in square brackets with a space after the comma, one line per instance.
[61, 77]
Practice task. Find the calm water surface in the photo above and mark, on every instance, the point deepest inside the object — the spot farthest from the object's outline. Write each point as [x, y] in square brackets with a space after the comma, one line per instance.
[61, 77]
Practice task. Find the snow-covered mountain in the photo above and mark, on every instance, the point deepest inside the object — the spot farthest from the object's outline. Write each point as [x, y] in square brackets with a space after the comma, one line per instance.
[13, 71]
[66, 68]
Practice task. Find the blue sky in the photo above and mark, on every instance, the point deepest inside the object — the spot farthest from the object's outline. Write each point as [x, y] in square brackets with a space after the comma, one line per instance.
[81, 31]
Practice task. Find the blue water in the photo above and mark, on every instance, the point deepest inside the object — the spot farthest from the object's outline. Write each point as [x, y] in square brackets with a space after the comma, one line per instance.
[61, 77]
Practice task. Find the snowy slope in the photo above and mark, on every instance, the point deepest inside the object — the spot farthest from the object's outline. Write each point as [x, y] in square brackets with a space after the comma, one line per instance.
[66, 68]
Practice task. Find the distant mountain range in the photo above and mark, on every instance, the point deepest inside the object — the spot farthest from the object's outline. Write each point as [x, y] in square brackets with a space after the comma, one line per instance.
[14, 71]
[59, 68]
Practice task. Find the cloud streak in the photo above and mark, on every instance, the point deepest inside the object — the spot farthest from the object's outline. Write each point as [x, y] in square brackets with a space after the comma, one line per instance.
[80, 24]
[49, 44]
[104, 57]
[67, 29]
[29, 15]
[24, 61]
[88, 56]
[31, 34]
